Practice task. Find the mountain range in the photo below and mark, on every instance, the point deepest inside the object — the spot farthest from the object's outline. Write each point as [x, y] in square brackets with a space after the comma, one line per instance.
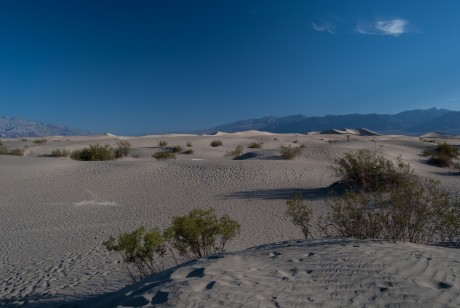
[412, 122]
[18, 127]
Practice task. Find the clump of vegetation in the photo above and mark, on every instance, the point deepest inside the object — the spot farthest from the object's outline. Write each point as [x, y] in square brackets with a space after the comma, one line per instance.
[95, 152]
[40, 141]
[14, 152]
[23, 139]
[288, 152]
[443, 155]
[295, 141]
[236, 152]
[60, 153]
[367, 169]
[189, 144]
[216, 143]
[300, 214]
[255, 145]
[122, 149]
[188, 151]
[195, 235]
[164, 155]
[162, 143]
[143, 251]
[176, 149]
[200, 233]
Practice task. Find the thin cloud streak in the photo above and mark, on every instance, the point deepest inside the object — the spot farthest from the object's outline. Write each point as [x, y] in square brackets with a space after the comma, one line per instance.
[325, 27]
[393, 27]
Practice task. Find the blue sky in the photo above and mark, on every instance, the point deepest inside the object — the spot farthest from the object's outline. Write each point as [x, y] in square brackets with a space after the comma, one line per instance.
[135, 67]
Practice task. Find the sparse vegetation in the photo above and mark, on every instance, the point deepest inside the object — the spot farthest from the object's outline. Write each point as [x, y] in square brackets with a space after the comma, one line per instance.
[188, 151]
[95, 152]
[176, 149]
[162, 143]
[216, 143]
[236, 152]
[23, 139]
[295, 141]
[255, 145]
[195, 235]
[60, 153]
[164, 155]
[40, 141]
[189, 144]
[300, 214]
[367, 169]
[122, 148]
[13, 152]
[443, 155]
[288, 152]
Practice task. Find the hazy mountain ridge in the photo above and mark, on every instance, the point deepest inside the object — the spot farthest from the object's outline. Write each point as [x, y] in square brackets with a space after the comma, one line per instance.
[411, 122]
[18, 127]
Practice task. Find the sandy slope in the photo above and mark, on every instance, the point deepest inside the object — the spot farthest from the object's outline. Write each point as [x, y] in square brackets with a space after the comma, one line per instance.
[54, 213]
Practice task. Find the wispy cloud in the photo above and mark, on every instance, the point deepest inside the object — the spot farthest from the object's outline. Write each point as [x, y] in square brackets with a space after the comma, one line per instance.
[452, 99]
[394, 27]
[323, 27]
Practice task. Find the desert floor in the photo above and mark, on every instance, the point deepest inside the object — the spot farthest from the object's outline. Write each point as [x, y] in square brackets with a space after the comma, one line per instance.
[56, 212]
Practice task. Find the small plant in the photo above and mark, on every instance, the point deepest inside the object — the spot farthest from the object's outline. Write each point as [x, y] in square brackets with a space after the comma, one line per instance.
[255, 145]
[295, 141]
[23, 139]
[300, 214]
[162, 143]
[236, 152]
[143, 251]
[40, 141]
[443, 155]
[60, 153]
[216, 143]
[189, 151]
[13, 152]
[122, 149]
[176, 149]
[200, 233]
[189, 144]
[94, 153]
[164, 155]
[368, 170]
[288, 152]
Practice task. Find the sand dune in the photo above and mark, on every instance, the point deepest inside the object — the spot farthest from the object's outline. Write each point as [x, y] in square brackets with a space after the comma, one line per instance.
[56, 212]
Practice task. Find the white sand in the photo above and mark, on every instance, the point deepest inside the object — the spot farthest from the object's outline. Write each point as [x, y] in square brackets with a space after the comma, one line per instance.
[55, 213]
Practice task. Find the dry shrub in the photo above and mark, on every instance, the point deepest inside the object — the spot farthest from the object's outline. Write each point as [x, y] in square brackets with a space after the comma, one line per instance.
[288, 152]
[236, 152]
[216, 143]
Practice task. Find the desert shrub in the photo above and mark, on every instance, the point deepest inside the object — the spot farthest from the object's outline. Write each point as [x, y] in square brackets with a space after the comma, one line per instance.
[164, 155]
[60, 153]
[255, 145]
[417, 210]
[189, 144]
[122, 149]
[200, 233]
[295, 141]
[162, 143]
[236, 152]
[189, 151]
[216, 143]
[95, 152]
[23, 139]
[176, 149]
[14, 152]
[40, 141]
[143, 251]
[1, 144]
[367, 169]
[288, 152]
[300, 214]
[443, 155]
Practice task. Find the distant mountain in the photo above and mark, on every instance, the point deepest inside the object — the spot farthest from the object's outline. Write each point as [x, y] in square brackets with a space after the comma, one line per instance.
[412, 122]
[17, 127]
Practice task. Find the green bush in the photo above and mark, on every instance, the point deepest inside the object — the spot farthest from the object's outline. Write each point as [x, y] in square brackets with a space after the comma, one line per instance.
[216, 143]
[300, 214]
[94, 153]
[164, 155]
[60, 153]
[369, 170]
[162, 143]
[122, 149]
[443, 155]
[40, 141]
[255, 145]
[200, 233]
[288, 152]
[143, 251]
[236, 152]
